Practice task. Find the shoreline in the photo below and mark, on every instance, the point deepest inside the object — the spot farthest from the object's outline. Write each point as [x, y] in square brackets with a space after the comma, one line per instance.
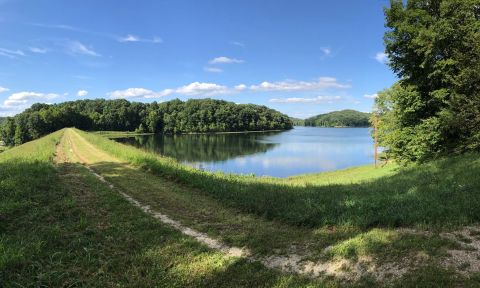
[130, 133]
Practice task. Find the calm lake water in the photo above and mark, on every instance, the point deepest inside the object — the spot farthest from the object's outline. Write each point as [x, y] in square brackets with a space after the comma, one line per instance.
[280, 154]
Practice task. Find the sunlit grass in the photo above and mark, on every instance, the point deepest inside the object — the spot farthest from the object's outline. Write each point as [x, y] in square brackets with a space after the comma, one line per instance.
[439, 194]
[64, 228]
[61, 227]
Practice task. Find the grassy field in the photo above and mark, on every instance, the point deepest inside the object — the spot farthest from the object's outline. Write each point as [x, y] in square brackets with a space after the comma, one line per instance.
[65, 228]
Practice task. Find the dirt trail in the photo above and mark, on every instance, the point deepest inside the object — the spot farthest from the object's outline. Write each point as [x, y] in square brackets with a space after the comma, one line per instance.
[291, 263]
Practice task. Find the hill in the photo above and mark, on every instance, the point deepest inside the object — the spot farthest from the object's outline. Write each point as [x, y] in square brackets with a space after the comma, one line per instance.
[297, 121]
[172, 117]
[343, 118]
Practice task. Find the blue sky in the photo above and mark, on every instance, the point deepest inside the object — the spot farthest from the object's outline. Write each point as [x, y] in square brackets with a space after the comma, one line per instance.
[300, 57]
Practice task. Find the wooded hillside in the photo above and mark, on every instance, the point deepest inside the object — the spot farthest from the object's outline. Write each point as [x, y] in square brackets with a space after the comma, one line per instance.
[172, 117]
[343, 118]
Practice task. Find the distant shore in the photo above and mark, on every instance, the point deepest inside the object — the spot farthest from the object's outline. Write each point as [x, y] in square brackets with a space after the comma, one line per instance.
[118, 134]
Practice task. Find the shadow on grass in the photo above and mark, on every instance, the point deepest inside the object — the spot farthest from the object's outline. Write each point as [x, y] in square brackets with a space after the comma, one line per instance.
[60, 227]
[263, 236]
[444, 193]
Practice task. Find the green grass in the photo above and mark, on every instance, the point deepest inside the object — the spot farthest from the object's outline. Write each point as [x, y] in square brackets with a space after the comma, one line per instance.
[261, 236]
[60, 226]
[440, 194]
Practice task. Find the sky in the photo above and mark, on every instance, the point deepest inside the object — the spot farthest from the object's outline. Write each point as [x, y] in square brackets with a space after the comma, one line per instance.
[302, 57]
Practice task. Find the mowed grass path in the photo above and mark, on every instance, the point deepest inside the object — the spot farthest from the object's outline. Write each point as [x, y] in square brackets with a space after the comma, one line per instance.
[195, 208]
[80, 232]
[61, 227]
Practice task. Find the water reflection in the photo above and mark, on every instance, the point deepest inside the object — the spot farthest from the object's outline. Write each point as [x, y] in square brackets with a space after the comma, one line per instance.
[280, 154]
[203, 147]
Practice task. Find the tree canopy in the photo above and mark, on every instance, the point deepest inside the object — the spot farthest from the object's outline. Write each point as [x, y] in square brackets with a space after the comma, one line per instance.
[297, 121]
[343, 118]
[172, 117]
[434, 109]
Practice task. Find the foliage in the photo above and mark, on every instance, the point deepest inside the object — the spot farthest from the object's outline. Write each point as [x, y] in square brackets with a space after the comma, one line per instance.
[297, 121]
[172, 117]
[343, 118]
[434, 47]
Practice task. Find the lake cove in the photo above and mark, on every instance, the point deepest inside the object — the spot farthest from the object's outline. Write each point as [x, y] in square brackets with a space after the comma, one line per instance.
[279, 154]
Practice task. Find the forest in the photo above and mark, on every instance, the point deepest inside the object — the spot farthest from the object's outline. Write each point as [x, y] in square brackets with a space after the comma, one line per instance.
[343, 118]
[297, 121]
[172, 117]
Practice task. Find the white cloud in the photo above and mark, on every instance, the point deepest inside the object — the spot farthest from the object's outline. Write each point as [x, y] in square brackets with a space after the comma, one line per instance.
[135, 38]
[211, 89]
[82, 93]
[23, 98]
[237, 43]
[58, 26]
[293, 85]
[326, 51]
[213, 69]
[240, 87]
[381, 57]
[138, 92]
[318, 99]
[38, 50]
[192, 89]
[225, 60]
[129, 38]
[11, 53]
[370, 96]
[8, 111]
[201, 88]
[157, 39]
[75, 47]
[3, 89]
[159, 94]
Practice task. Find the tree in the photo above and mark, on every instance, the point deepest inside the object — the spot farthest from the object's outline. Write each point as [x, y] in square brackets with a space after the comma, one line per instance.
[434, 47]
[8, 132]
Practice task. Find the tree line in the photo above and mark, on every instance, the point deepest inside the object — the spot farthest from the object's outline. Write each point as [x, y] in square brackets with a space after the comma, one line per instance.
[434, 108]
[172, 117]
[343, 118]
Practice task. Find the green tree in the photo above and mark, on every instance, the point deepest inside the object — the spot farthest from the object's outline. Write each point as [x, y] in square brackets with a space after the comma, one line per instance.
[434, 47]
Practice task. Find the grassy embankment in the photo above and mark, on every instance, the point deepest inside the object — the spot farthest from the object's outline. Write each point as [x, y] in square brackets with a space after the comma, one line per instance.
[73, 221]
[61, 227]
[439, 194]
[241, 210]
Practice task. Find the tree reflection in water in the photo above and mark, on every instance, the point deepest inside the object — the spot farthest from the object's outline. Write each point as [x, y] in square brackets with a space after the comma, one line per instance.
[203, 147]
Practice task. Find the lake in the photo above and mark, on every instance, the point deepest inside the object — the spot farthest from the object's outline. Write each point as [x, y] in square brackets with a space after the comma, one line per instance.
[280, 154]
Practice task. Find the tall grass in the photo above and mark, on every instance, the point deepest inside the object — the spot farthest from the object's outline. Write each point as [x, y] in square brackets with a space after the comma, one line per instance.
[443, 193]
[27, 181]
